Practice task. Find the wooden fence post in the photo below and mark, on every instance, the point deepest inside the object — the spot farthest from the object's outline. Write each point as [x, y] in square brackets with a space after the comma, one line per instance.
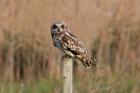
[67, 74]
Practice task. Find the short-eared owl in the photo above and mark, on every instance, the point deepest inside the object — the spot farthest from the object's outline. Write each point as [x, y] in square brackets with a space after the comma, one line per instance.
[70, 44]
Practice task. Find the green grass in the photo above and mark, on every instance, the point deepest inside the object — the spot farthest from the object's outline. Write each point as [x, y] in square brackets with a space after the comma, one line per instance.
[111, 84]
[88, 83]
[35, 86]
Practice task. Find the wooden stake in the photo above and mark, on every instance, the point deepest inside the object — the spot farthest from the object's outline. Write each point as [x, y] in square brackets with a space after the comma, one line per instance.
[67, 74]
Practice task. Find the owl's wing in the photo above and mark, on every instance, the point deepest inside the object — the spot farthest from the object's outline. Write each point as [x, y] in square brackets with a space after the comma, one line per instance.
[70, 42]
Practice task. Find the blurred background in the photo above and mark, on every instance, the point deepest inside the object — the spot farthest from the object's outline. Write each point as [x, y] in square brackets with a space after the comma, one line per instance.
[110, 29]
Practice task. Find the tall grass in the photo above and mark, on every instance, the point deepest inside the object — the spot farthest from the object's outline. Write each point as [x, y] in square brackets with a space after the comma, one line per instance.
[30, 64]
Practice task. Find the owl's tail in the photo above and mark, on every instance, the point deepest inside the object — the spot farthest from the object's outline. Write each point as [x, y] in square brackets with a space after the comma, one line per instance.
[88, 62]
[93, 63]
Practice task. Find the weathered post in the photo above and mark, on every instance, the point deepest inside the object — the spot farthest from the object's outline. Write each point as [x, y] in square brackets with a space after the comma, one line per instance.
[67, 74]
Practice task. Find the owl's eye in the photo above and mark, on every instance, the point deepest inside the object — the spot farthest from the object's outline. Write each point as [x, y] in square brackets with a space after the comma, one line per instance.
[54, 27]
[62, 26]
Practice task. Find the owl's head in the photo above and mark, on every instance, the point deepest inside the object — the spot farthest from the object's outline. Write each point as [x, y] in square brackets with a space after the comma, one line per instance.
[58, 26]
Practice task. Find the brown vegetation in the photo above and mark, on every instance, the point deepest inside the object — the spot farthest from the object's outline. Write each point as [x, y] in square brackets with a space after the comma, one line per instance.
[109, 28]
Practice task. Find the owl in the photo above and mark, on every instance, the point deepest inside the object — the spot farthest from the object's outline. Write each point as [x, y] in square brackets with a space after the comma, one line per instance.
[68, 43]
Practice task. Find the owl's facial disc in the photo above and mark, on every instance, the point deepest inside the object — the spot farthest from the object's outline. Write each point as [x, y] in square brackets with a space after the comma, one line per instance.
[59, 26]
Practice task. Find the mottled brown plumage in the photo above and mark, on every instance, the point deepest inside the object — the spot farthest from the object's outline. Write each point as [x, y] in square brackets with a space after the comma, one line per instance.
[70, 44]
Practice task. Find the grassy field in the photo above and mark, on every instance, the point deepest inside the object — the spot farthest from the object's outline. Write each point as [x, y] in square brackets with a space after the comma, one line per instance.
[110, 29]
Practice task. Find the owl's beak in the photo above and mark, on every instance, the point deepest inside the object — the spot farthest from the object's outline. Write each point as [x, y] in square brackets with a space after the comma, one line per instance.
[58, 29]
